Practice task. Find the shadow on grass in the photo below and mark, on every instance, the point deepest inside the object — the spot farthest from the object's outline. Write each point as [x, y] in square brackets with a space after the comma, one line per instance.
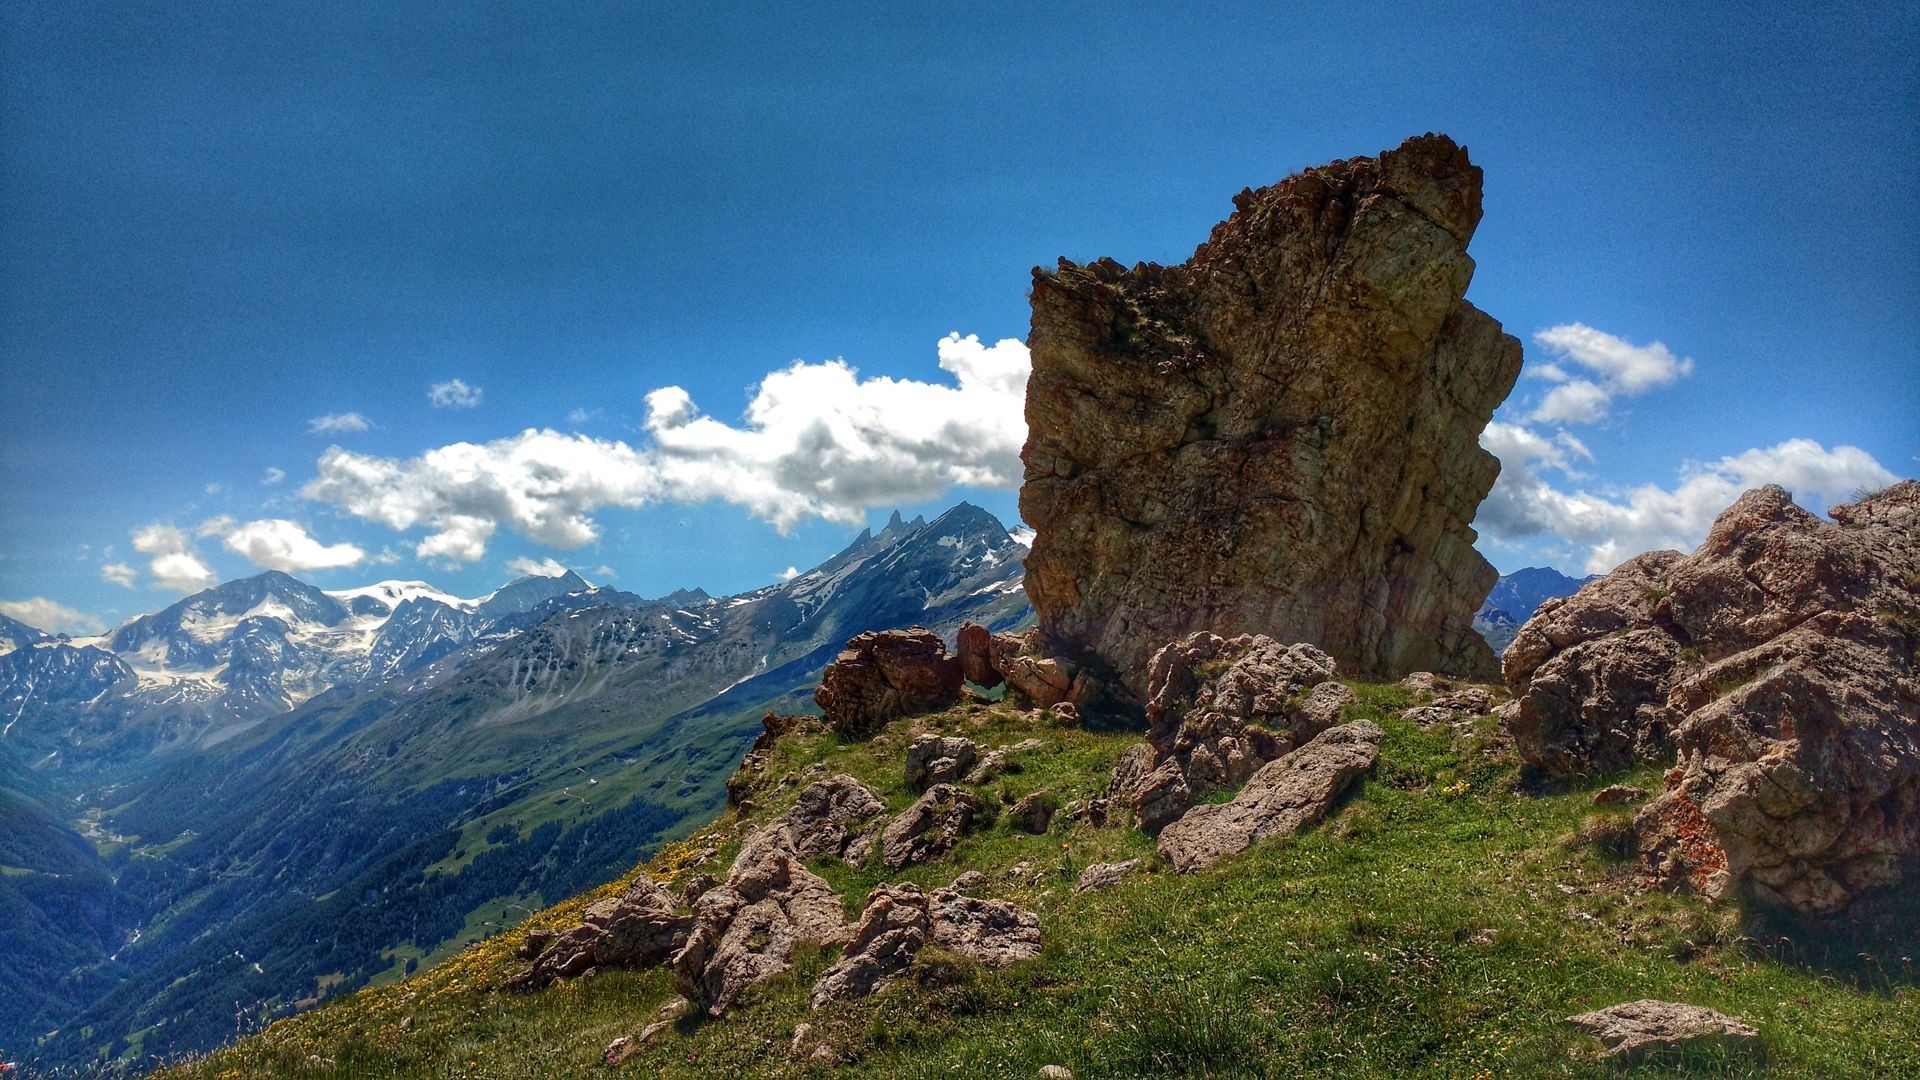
[1874, 946]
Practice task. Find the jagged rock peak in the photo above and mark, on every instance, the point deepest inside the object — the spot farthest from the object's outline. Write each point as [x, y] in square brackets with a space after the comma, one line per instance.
[1280, 436]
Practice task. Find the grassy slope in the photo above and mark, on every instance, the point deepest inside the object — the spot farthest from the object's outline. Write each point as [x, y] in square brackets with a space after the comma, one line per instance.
[1355, 950]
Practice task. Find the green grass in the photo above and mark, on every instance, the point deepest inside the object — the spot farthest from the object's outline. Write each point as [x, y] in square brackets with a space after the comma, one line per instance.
[1438, 924]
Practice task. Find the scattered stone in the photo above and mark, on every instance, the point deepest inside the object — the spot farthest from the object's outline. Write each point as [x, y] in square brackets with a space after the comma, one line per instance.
[900, 920]
[1618, 795]
[1280, 435]
[830, 815]
[1485, 938]
[802, 1032]
[639, 929]
[929, 828]
[1218, 710]
[1777, 660]
[990, 766]
[1452, 707]
[886, 674]
[1104, 875]
[938, 759]
[745, 931]
[1066, 713]
[619, 1051]
[1055, 1072]
[1034, 812]
[1424, 683]
[1284, 797]
[655, 1030]
[696, 887]
[969, 881]
[1635, 1030]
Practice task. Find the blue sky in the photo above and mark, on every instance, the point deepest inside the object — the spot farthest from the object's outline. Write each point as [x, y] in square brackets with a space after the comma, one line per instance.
[223, 223]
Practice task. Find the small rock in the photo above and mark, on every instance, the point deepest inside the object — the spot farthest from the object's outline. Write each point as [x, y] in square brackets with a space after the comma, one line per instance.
[968, 881]
[1033, 813]
[655, 1030]
[1423, 682]
[992, 764]
[1484, 938]
[801, 1033]
[1055, 1072]
[1067, 713]
[619, 1050]
[929, 828]
[1619, 795]
[938, 759]
[1026, 745]
[1104, 875]
[1633, 1030]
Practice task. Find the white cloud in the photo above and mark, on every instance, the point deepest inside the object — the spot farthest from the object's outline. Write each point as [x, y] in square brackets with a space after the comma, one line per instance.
[1614, 525]
[215, 488]
[789, 573]
[50, 615]
[215, 526]
[272, 476]
[279, 544]
[543, 568]
[173, 566]
[1619, 368]
[454, 394]
[337, 423]
[118, 574]
[582, 416]
[387, 557]
[816, 441]
[605, 571]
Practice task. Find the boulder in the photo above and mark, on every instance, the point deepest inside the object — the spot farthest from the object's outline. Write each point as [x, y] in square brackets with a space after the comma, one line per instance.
[938, 759]
[1635, 1030]
[1776, 663]
[830, 815]
[640, 928]
[1452, 707]
[1033, 812]
[929, 828]
[1278, 436]
[900, 920]
[886, 674]
[1283, 798]
[974, 646]
[1217, 710]
[745, 930]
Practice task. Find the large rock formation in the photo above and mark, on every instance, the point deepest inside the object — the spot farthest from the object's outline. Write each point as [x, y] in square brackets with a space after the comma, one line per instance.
[639, 928]
[883, 674]
[1217, 710]
[900, 920]
[1778, 660]
[1279, 436]
[744, 931]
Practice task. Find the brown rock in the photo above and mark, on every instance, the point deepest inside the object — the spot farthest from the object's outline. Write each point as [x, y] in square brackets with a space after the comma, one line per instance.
[938, 759]
[1618, 795]
[886, 674]
[929, 828]
[637, 929]
[1279, 436]
[1104, 875]
[830, 815]
[1217, 710]
[745, 931]
[1778, 661]
[752, 774]
[1033, 812]
[993, 932]
[974, 644]
[900, 920]
[1452, 707]
[1283, 798]
[1635, 1030]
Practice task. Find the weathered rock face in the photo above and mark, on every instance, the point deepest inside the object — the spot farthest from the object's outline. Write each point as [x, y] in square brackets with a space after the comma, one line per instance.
[637, 929]
[1778, 660]
[938, 759]
[1021, 662]
[1284, 797]
[745, 931]
[929, 828]
[900, 920]
[831, 816]
[1279, 436]
[1635, 1030]
[885, 674]
[1217, 710]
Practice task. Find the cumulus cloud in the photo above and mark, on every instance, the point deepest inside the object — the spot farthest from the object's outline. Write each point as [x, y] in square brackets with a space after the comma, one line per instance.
[1615, 368]
[789, 573]
[338, 423]
[543, 568]
[454, 394]
[174, 565]
[272, 476]
[50, 615]
[816, 440]
[1612, 525]
[279, 544]
[118, 574]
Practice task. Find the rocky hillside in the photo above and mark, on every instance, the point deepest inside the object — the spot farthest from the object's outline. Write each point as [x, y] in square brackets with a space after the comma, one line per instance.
[949, 896]
[372, 829]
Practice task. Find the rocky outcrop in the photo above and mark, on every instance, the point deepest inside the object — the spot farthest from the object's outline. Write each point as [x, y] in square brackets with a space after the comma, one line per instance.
[831, 817]
[752, 773]
[1021, 662]
[1033, 813]
[1283, 798]
[1278, 436]
[1777, 662]
[929, 828]
[640, 928]
[745, 930]
[900, 920]
[939, 759]
[1636, 1030]
[1217, 710]
[885, 674]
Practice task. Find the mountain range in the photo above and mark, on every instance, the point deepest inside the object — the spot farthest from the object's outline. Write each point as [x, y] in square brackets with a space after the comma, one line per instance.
[1514, 599]
[267, 793]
